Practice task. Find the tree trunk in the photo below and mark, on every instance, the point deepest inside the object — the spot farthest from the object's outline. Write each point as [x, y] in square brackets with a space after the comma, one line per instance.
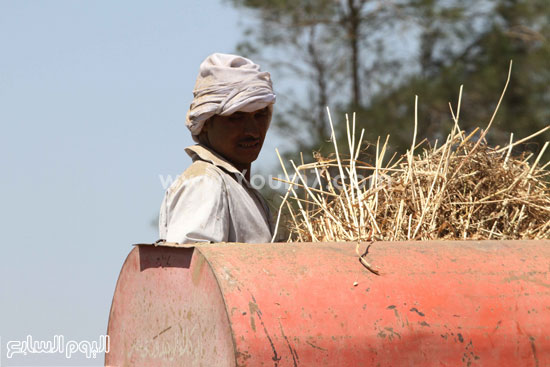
[354, 21]
[320, 81]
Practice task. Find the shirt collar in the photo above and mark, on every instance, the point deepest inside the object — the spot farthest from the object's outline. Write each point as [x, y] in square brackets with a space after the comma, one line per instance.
[201, 152]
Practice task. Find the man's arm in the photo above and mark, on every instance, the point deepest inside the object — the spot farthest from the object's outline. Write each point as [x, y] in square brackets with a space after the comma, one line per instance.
[195, 211]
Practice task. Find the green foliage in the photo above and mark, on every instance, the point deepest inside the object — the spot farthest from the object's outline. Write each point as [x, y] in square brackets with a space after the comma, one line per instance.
[515, 30]
[374, 57]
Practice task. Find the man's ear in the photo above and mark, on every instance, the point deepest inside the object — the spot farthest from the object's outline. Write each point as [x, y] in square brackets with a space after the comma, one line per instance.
[205, 126]
[203, 135]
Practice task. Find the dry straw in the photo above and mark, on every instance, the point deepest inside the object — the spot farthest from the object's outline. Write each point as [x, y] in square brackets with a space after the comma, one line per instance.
[463, 189]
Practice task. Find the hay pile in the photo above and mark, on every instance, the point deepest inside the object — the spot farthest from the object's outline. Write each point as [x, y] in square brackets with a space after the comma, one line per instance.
[462, 189]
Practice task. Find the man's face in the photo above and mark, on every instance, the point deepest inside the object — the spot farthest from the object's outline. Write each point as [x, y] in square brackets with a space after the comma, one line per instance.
[238, 137]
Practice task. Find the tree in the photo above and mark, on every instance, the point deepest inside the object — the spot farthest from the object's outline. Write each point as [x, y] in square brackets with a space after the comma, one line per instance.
[323, 42]
[517, 30]
[373, 57]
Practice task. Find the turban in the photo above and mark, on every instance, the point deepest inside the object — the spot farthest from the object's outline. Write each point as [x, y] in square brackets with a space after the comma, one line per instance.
[227, 84]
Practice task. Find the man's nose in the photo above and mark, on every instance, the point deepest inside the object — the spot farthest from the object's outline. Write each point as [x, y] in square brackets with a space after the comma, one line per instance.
[251, 127]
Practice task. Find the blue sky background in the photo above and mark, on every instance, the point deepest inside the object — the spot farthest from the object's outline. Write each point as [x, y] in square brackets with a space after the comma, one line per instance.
[93, 96]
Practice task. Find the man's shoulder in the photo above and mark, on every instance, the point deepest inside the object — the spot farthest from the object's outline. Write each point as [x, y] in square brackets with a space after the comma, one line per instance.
[197, 174]
[200, 168]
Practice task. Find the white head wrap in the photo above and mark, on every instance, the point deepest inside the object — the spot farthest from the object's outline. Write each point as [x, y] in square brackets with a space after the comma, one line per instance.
[227, 84]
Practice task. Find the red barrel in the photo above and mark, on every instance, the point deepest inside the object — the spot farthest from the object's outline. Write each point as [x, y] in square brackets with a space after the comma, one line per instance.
[455, 303]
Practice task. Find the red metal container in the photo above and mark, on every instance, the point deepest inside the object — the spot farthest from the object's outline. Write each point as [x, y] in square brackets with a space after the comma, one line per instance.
[434, 304]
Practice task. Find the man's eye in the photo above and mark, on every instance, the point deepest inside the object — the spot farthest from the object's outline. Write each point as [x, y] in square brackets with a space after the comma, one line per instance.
[263, 113]
[235, 117]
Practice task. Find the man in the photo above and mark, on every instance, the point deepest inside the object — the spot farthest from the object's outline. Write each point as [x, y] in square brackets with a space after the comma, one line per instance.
[212, 201]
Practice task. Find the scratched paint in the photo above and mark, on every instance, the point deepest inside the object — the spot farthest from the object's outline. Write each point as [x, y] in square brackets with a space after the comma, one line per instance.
[168, 311]
[438, 303]
[427, 290]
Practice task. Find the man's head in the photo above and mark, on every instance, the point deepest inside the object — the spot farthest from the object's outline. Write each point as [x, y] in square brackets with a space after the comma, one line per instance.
[232, 106]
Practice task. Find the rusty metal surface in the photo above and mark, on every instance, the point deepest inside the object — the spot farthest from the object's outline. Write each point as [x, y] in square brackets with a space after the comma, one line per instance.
[434, 304]
[168, 311]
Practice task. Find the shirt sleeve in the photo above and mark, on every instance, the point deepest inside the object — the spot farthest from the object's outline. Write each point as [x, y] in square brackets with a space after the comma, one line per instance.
[195, 211]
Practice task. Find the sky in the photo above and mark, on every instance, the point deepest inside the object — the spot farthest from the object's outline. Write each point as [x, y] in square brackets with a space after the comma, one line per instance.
[93, 97]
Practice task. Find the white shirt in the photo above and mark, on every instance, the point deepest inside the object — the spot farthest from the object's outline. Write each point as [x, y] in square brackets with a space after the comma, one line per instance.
[213, 202]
